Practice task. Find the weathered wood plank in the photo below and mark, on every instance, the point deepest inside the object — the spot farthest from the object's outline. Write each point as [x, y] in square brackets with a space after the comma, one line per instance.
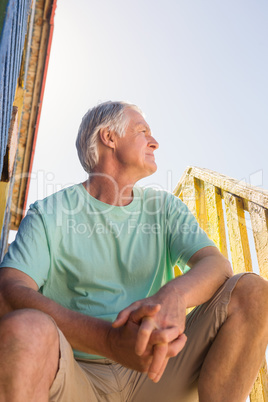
[187, 194]
[259, 221]
[4, 188]
[200, 205]
[255, 200]
[180, 195]
[12, 146]
[37, 51]
[178, 189]
[177, 271]
[237, 232]
[215, 218]
[259, 391]
[236, 187]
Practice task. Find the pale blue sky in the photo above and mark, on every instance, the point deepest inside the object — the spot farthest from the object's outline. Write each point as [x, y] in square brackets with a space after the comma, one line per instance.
[198, 69]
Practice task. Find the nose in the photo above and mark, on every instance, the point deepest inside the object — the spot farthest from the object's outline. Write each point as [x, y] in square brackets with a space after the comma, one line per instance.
[153, 143]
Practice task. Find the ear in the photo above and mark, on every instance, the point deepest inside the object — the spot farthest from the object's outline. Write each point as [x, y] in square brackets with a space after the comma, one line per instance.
[107, 137]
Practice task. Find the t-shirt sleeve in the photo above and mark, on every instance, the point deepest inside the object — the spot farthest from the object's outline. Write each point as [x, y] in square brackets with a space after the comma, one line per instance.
[185, 237]
[29, 252]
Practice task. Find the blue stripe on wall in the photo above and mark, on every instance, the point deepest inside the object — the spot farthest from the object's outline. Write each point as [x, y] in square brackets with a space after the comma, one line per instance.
[11, 47]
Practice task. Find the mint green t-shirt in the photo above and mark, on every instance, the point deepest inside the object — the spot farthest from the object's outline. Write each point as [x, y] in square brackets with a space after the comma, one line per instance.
[96, 258]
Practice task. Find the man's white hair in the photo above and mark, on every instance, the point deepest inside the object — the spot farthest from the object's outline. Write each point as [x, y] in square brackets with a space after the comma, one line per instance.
[105, 115]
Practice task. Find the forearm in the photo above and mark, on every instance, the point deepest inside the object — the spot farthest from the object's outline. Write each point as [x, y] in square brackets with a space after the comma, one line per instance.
[87, 334]
[84, 333]
[200, 283]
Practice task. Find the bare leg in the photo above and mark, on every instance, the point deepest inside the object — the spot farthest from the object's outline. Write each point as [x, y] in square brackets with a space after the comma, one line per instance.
[29, 355]
[232, 364]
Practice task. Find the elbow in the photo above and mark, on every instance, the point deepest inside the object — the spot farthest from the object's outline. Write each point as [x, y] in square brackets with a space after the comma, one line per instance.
[4, 306]
[228, 271]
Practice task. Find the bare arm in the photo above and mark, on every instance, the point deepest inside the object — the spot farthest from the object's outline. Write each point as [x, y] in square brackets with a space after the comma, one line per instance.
[18, 291]
[84, 333]
[210, 269]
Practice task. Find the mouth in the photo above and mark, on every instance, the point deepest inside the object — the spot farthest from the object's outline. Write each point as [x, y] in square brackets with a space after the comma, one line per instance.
[151, 155]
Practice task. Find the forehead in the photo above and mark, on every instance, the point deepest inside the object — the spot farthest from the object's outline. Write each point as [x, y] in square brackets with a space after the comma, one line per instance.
[135, 118]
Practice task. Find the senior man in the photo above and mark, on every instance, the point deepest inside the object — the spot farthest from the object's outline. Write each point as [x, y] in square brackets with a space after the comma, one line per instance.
[90, 307]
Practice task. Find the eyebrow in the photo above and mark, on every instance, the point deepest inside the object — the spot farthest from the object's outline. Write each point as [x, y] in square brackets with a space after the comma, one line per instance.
[142, 125]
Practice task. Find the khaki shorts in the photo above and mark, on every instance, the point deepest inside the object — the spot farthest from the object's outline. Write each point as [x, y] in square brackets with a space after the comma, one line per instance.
[105, 380]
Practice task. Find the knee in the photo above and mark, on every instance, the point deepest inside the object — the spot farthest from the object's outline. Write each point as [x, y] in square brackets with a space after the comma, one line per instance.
[28, 329]
[250, 298]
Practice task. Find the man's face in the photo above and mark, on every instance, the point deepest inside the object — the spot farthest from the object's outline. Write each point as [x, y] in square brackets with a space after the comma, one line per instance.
[135, 151]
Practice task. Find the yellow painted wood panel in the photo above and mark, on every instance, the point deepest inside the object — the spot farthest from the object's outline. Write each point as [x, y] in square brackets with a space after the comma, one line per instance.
[12, 146]
[237, 232]
[200, 205]
[178, 187]
[180, 195]
[259, 222]
[4, 187]
[236, 187]
[177, 271]
[208, 187]
[215, 218]
[188, 194]
[259, 391]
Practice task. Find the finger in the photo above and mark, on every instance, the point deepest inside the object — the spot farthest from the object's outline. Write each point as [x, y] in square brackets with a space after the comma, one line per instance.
[173, 350]
[123, 316]
[160, 373]
[177, 345]
[166, 335]
[146, 310]
[146, 328]
[159, 358]
[135, 312]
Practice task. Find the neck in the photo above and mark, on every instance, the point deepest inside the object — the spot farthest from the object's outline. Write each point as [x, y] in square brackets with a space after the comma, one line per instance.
[109, 189]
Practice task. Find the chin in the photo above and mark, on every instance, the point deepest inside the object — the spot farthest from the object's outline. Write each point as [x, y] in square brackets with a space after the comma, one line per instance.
[151, 170]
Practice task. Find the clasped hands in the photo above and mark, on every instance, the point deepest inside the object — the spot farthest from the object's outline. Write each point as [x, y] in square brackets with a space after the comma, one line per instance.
[156, 326]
